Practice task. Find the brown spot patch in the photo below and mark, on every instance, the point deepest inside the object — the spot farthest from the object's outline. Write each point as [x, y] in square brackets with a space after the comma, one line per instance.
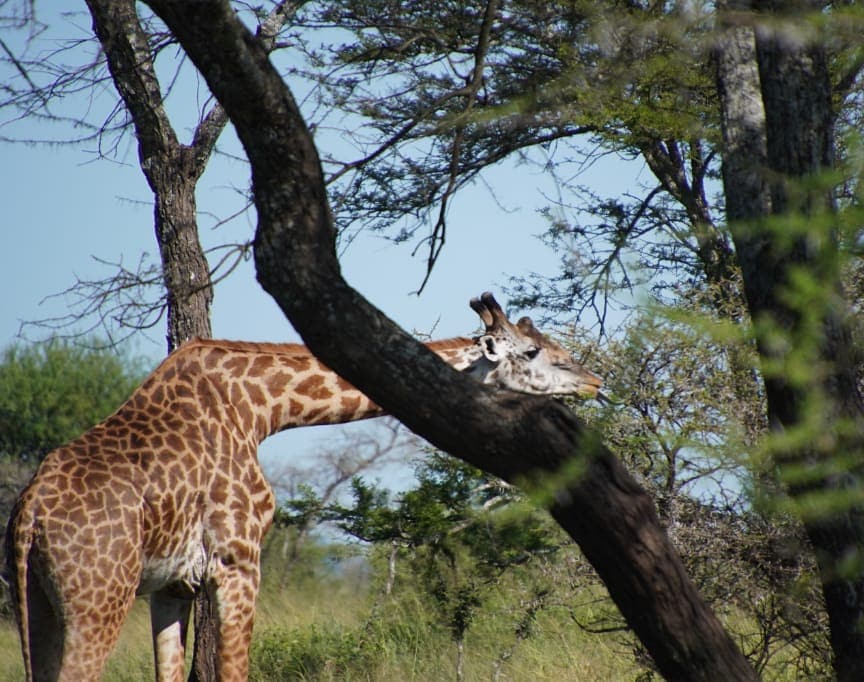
[237, 364]
[314, 388]
[256, 395]
[260, 365]
[312, 416]
[276, 383]
[297, 363]
[211, 359]
[276, 416]
[219, 490]
[174, 442]
[350, 404]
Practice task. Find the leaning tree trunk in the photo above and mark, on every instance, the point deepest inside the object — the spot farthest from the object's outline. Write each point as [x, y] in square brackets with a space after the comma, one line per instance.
[526, 439]
[775, 93]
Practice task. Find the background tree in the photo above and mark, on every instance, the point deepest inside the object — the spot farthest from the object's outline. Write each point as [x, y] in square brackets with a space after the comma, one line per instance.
[320, 482]
[778, 122]
[52, 392]
[689, 430]
[560, 85]
[134, 51]
[448, 532]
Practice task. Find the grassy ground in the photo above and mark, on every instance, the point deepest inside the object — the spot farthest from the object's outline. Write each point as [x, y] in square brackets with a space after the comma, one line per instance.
[322, 630]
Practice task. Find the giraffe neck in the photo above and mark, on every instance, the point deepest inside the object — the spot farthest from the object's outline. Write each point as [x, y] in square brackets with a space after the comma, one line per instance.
[262, 388]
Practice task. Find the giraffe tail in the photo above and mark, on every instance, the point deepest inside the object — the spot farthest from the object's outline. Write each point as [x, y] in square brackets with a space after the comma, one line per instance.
[19, 541]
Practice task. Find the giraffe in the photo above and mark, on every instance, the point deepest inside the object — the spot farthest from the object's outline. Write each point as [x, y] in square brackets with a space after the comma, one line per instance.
[166, 495]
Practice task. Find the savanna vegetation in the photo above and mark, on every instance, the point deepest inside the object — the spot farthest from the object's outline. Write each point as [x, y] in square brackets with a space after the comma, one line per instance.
[716, 503]
[463, 577]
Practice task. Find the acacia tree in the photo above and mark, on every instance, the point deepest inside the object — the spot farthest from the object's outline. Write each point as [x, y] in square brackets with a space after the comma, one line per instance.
[453, 88]
[599, 505]
[456, 544]
[172, 170]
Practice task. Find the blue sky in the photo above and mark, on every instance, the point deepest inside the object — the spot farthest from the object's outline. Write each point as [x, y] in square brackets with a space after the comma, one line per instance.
[63, 207]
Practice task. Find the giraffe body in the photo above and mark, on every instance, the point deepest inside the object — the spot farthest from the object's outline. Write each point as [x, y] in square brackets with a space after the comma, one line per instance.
[166, 496]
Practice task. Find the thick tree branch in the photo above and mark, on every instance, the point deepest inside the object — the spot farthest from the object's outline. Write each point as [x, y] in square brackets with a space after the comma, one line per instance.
[514, 437]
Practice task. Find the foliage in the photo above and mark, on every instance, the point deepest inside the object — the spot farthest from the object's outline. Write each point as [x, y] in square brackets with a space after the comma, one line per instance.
[54, 391]
[690, 414]
[562, 84]
[456, 533]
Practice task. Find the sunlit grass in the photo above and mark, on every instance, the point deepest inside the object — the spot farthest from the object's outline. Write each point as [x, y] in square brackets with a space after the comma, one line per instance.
[333, 628]
[11, 667]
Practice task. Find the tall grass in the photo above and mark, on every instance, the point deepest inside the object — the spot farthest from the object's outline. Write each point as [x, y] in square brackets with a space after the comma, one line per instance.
[337, 626]
[332, 627]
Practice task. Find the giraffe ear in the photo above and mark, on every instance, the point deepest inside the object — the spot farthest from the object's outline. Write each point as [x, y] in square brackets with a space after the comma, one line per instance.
[489, 348]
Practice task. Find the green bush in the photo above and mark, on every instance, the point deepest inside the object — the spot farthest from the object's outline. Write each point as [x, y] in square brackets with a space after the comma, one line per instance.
[313, 652]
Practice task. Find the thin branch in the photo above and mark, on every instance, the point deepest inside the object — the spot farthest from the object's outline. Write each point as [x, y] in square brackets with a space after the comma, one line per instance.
[439, 232]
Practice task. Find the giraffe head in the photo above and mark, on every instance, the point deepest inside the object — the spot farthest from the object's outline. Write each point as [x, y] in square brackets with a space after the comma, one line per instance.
[520, 358]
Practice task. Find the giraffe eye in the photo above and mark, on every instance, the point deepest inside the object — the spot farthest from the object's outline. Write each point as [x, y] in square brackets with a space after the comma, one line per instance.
[532, 353]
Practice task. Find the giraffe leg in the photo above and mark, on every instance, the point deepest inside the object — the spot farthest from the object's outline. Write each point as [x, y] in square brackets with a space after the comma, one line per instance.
[89, 636]
[69, 639]
[169, 622]
[235, 590]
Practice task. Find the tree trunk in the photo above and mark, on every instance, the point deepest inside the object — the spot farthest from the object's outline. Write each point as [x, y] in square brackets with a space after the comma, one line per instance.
[777, 127]
[171, 169]
[184, 265]
[535, 441]
[206, 646]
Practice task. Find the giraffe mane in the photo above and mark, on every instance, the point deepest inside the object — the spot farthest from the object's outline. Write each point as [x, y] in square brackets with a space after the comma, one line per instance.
[270, 347]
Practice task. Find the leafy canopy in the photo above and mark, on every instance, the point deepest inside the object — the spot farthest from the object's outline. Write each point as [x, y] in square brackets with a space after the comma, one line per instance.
[52, 392]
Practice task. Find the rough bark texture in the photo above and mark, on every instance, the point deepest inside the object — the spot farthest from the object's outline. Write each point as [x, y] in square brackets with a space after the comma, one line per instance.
[171, 169]
[777, 118]
[518, 438]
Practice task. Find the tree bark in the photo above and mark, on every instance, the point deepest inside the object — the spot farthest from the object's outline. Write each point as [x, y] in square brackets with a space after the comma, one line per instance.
[777, 120]
[171, 169]
[535, 441]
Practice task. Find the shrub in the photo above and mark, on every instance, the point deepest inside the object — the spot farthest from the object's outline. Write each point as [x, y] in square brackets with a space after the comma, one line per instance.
[313, 652]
